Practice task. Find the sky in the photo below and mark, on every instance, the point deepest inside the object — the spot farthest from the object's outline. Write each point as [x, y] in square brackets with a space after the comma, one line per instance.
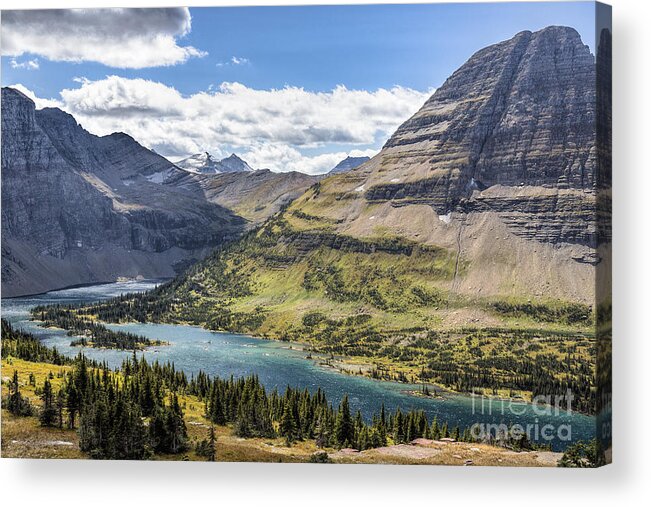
[286, 88]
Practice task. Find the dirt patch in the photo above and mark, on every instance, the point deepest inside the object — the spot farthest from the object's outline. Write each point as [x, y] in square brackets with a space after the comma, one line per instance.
[408, 451]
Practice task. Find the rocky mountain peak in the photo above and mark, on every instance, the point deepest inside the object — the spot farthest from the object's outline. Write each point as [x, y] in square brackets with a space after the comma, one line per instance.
[201, 163]
[205, 163]
[233, 163]
[17, 109]
[78, 208]
[520, 112]
[500, 162]
[348, 164]
[12, 96]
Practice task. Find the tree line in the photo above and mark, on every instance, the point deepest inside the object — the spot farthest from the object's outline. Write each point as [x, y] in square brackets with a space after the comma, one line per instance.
[90, 333]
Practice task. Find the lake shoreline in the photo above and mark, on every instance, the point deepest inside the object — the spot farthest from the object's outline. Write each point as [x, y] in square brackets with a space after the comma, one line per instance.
[345, 365]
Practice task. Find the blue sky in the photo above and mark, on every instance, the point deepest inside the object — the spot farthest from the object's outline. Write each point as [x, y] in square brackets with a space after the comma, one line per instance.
[364, 48]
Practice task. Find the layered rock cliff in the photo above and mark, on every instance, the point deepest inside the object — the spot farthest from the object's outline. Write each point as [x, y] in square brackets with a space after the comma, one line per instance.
[518, 114]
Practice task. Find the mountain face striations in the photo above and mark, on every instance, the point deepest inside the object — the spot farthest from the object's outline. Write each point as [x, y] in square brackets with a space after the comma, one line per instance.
[517, 113]
[77, 208]
[486, 194]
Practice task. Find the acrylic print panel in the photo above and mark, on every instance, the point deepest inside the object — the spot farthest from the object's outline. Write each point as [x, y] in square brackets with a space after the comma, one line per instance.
[324, 234]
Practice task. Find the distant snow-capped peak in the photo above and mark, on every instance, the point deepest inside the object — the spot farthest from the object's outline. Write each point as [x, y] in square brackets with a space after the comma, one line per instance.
[205, 163]
[234, 164]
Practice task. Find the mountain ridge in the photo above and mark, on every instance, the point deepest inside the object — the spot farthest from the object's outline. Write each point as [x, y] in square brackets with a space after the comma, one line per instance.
[489, 195]
[71, 213]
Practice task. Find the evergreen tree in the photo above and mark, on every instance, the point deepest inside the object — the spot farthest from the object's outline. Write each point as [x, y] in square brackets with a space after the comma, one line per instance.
[109, 408]
[60, 403]
[95, 427]
[288, 424]
[72, 403]
[211, 444]
[16, 403]
[48, 414]
[344, 428]
[398, 428]
[363, 439]
[467, 436]
[444, 431]
[321, 433]
[215, 407]
[435, 432]
[175, 426]
[242, 424]
[158, 435]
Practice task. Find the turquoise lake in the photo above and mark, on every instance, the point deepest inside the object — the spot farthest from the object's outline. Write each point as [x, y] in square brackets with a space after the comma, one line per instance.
[277, 365]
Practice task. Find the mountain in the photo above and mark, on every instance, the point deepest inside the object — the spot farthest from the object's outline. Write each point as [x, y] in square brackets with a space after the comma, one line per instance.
[253, 195]
[497, 168]
[201, 163]
[481, 205]
[204, 163]
[234, 164]
[348, 164]
[78, 208]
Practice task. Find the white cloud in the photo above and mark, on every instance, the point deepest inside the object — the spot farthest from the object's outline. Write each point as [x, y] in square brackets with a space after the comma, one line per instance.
[124, 38]
[270, 128]
[26, 64]
[235, 60]
[40, 103]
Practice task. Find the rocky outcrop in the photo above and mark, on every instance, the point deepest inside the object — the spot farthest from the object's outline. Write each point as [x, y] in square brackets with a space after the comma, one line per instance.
[234, 164]
[77, 208]
[520, 114]
[546, 215]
